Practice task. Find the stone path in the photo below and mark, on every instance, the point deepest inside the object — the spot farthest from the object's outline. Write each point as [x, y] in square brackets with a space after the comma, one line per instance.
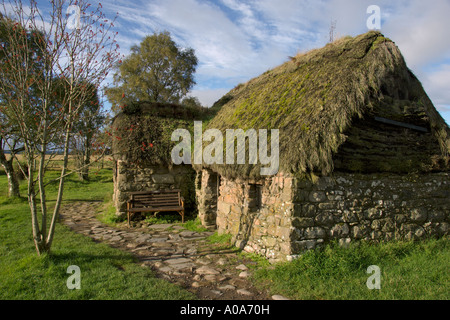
[173, 253]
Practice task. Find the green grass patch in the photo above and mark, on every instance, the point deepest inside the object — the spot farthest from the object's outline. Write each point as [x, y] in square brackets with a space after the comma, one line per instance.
[223, 239]
[99, 186]
[106, 273]
[222, 243]
[163, 219]
[409, 271]
[194, 225]
[107, 215]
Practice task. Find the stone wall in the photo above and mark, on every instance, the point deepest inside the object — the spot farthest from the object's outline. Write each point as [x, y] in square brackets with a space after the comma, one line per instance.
[206, 183]
[258, 214]
[281, 216]
[129, 178]
[370, 207]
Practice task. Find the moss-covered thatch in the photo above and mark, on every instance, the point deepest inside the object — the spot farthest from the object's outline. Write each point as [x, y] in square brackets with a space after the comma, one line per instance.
[317, 98]
[142, 131]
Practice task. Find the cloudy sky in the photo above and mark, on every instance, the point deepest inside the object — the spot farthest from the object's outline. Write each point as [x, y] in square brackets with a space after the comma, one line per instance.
[236, 40]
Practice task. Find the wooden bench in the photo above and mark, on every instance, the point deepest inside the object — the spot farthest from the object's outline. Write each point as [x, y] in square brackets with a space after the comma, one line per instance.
[155, 201]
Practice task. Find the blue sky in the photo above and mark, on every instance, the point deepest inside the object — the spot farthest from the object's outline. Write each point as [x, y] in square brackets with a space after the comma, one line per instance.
[236, 40]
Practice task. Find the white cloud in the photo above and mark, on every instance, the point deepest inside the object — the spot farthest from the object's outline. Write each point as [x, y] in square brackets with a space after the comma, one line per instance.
[437, 85]
[420, 29]
[208, 96]
[206, 28]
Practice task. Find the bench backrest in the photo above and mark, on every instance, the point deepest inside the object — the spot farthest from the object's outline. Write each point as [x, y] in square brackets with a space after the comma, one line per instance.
[163, 198]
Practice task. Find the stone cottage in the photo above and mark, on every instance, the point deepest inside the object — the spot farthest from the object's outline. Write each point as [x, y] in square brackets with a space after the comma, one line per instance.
[363, 154]
[142, 145]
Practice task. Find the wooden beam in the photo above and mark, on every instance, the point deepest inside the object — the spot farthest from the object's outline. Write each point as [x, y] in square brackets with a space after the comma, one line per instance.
[401, 124]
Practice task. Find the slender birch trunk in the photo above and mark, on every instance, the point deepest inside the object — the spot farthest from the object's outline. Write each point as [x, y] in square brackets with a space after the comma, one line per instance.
[59, 197]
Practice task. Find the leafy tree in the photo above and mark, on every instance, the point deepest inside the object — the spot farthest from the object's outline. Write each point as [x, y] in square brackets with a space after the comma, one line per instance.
[10, 142]
[86, 128]
[192, 102]
[156, 71]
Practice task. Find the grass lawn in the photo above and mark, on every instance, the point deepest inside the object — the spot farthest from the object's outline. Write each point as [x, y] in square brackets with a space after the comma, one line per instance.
[409, 271]
[106, 273]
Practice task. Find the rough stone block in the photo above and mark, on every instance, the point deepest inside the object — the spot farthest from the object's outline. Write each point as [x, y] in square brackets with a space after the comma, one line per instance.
[303, 222]
[315, 233]
[317, 196]
[283, 233]
[357, 232]
[305, 245]
[340, 231]
[419, 215]
[325, 219]
[309, 210]
[223, 207]
[163, 179]
[269, 242]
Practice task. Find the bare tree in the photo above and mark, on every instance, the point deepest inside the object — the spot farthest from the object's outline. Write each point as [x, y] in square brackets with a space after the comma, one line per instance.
[76, 46]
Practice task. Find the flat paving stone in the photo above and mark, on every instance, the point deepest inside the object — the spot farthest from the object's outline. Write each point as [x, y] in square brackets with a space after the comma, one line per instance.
[161, 244]
[177, 260]
[244, 292]
[203, 261]
[174, 237]
[227, 287]
[183, 266]
[242, 267]
[205, 270]
[187, 234]
[158, 239]
[210, 277]
[160, 226]
[279, 297]
[165, 269]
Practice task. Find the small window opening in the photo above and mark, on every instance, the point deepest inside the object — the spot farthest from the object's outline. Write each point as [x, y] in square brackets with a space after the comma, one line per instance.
[255, 196]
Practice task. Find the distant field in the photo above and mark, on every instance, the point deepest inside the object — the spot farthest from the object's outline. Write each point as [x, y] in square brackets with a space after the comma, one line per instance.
[56, 162]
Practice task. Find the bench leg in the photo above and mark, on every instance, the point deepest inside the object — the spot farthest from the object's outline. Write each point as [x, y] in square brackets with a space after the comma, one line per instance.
[128, 214]
[182, 216]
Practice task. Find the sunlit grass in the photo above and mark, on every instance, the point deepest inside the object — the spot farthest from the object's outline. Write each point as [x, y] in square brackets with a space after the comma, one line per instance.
[106, 273]
[409, 271]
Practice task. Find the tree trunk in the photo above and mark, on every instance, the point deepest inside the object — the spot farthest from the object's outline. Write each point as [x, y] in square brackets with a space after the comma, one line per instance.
[13, 182]
[86, 158]
[59, 197]
[39, 242]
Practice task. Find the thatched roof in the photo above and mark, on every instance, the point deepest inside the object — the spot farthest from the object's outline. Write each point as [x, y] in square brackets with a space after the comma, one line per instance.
[316, 98]
[142, 131]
